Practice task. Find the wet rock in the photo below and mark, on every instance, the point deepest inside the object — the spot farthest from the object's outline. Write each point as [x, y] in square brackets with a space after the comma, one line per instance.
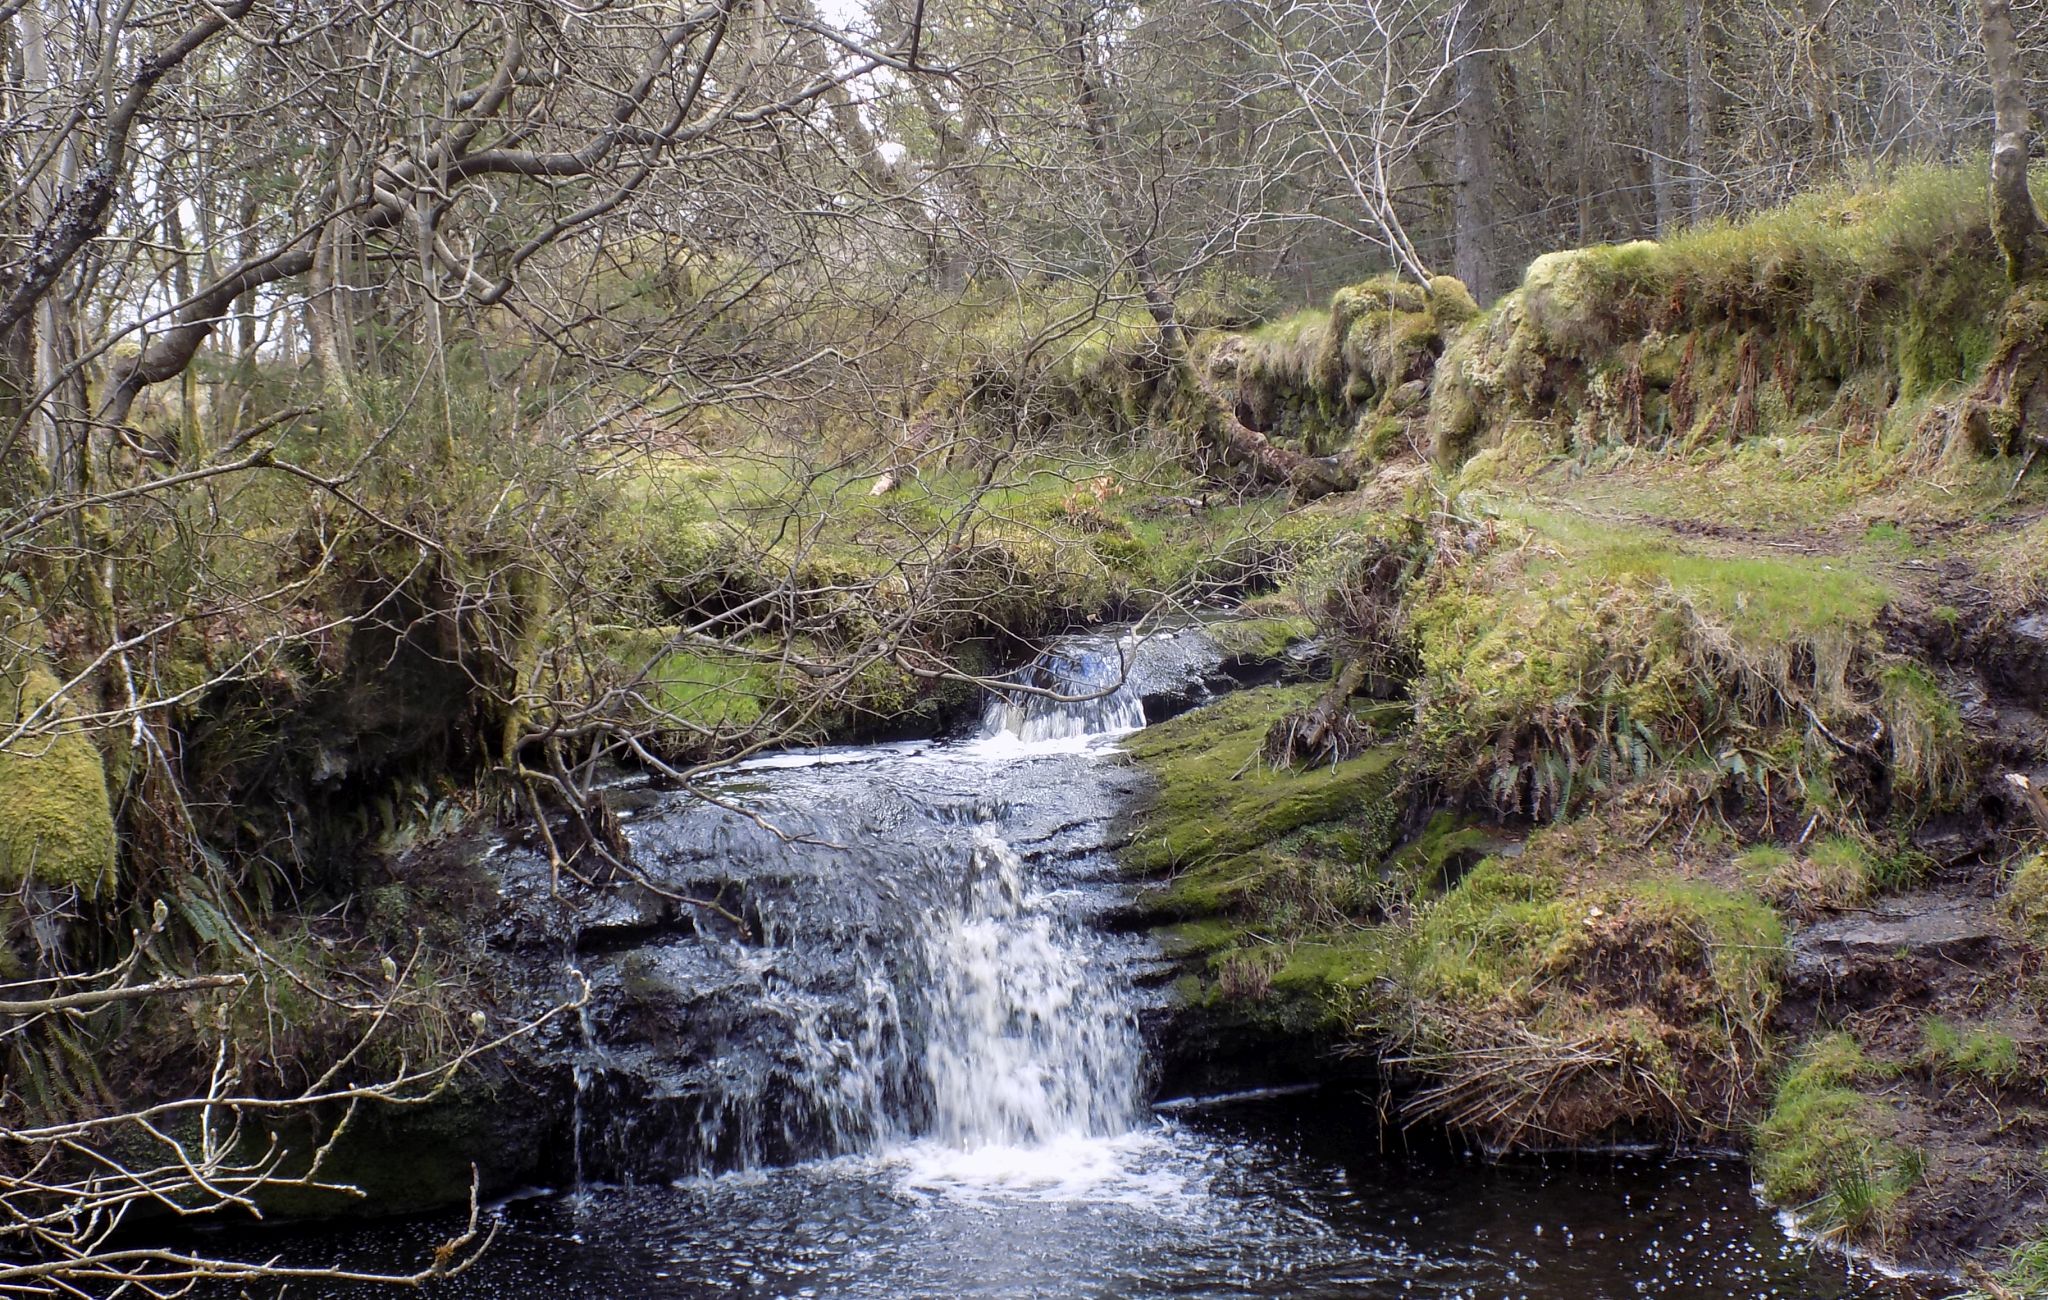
[1955, 839]
[2015, 657]
[1890, 950]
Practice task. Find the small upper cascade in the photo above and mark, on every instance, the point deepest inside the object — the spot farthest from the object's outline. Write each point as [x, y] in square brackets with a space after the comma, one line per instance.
[1082, 686]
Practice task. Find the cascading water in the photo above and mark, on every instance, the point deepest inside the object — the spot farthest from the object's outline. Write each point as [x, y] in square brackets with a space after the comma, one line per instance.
[1027, 1040]
[1083, 686]
[888, 946]
[889, 955]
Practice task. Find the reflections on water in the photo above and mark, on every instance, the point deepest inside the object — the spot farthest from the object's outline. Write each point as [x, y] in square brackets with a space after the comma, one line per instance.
[1288, 1196]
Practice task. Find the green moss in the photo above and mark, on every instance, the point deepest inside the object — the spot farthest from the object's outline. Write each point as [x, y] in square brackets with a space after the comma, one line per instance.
[1260, 640]
[1322, 380]
[1451, 305]
[1837, 872]
[1564, 995]
[1447, 845]
[1317, 990]
[1976, 1053]
[1741, 936]
[1352, 963]
[1216, 799]
[1198, 938]
[1579, 654]
[1741, 329]
[2026, 899]
[1536, 692]
[1506, 931]
[1829, 1150]
[1761, 863]
[59, 826]
[1328, 988]
[1488, 940]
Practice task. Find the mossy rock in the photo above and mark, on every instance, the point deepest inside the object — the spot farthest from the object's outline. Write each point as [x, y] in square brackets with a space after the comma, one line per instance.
[1451, 304]
[1254, 641]
[1740, 330]
[1438, 857]
[58, 825]
[2026, 900]
[1221, 818]
[1318, 377]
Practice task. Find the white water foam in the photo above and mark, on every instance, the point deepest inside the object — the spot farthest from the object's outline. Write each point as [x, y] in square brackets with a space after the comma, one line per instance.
[1080, 689]
[1028, 1043]
[1141, 1169]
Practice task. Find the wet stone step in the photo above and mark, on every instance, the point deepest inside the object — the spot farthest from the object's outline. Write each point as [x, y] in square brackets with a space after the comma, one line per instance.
[1891, 944]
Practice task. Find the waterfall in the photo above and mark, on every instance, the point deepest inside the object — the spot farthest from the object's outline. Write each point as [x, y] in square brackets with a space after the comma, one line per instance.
[582, 1071]
[893, 951]
[1080, 687]
[1027, 1041]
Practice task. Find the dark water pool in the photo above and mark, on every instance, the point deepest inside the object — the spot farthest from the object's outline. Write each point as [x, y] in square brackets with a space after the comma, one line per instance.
[1291, 1197]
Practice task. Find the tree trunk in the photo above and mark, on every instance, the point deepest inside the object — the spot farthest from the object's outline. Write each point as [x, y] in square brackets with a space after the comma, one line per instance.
[1663, 193]
[1472, 192]
[1228, 437]
[1698, 104]
[1100, 126]
[2013, 219]
[21, 476]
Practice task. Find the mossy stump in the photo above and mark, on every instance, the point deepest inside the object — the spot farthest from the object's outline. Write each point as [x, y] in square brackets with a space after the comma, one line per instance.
[56, 821]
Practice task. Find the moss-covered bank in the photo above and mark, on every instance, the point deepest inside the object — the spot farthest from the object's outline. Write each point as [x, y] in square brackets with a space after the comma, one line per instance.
[1700, 637]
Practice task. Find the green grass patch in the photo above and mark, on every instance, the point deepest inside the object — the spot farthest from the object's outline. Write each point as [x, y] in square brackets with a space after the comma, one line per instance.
[1827, 1149]
[1985, 1055]
[1559, 999]
[2026, 899]
[1509, 938]
[2026, 1270]
[1580, 654]
[1757, 598]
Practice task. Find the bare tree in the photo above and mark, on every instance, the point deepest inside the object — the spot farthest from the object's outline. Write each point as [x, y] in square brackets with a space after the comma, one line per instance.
[1369, 85]
[2013, 215]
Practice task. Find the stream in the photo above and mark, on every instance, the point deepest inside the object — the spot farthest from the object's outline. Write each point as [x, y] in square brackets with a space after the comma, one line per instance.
[894, 1054]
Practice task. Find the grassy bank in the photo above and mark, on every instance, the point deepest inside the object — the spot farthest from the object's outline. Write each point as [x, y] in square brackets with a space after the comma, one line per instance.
[1671, 807]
